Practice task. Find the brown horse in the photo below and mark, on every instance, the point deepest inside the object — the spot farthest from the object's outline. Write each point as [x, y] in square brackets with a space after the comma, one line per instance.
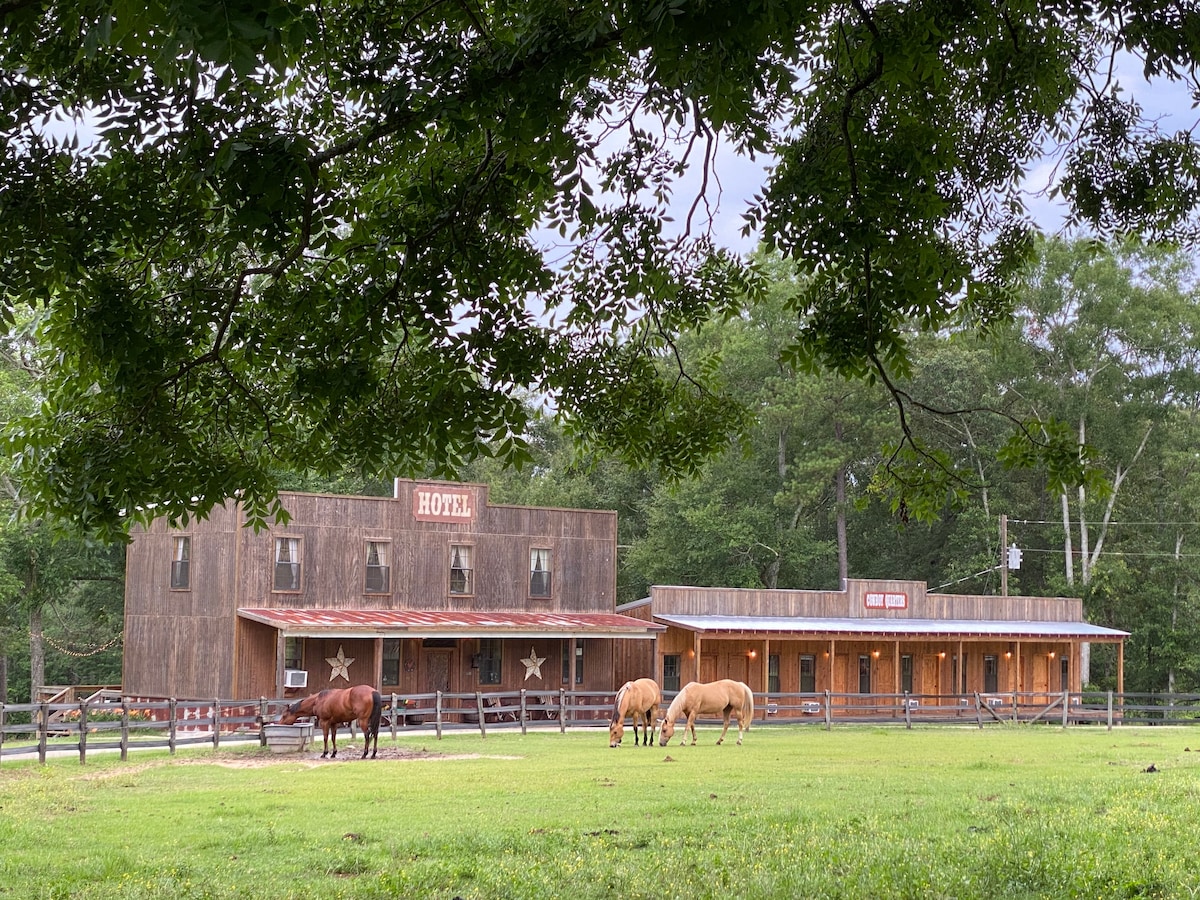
[639, 699]
[341, 706]
[718, 698]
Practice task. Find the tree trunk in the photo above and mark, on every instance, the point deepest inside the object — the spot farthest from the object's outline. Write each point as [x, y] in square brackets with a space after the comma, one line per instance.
[37, 654]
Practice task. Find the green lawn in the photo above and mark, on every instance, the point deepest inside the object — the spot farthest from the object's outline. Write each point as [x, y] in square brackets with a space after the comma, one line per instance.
[793, 812]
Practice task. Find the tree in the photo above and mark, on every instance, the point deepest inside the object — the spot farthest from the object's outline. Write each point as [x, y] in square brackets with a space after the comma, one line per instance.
[296, 236]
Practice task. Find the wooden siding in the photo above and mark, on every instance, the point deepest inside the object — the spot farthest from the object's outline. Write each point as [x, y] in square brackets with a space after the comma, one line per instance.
[190, 643]
[851, 603]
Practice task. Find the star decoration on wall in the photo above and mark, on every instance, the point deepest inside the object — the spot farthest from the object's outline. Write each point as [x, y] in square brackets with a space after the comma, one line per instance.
[533, 664]
[340, 664]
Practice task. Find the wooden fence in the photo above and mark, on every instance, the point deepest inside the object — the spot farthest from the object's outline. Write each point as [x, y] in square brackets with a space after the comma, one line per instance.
[101, 722]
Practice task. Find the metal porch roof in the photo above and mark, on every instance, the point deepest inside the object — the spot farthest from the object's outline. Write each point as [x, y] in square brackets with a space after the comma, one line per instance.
[357, 623]
[901, 628]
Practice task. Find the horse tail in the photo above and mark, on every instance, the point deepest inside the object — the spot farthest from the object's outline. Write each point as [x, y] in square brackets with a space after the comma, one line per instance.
[376, 712]
[749, 706]
[616, 713]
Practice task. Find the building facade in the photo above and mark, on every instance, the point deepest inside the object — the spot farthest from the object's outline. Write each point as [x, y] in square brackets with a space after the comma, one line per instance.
[432, 589]
[874, 637]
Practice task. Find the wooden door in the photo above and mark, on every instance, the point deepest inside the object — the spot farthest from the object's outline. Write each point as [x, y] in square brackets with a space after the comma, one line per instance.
[931, 670]
[436, 666]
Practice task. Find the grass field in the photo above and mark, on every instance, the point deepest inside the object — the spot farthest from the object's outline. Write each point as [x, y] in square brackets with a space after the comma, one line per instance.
[793, 812]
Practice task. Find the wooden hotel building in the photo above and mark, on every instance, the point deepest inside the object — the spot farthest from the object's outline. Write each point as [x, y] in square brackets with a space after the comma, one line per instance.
[431, 589]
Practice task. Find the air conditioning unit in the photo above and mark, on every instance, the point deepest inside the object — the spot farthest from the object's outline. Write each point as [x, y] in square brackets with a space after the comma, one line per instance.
[295, 678]
[810, 707]
[995, 701]
[913, 704]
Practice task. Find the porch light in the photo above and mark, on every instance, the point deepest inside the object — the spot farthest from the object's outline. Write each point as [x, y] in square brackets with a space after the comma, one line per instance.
[875, 653]
[753, 654]
[942, 655]
[1052, 654]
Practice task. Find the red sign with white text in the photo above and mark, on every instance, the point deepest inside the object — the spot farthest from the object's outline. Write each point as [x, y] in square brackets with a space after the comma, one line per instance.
[881, 600]
[430, 505]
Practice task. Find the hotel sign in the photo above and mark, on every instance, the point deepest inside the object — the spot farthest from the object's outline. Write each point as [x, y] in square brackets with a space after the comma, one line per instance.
[880, 600]
[443, 505]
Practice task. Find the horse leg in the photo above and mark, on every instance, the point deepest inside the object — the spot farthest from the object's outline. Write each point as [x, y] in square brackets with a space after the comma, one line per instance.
[648, 718]
[325, 740]
[690, 725]
[333, 727]
[726, 728]
[637, 717]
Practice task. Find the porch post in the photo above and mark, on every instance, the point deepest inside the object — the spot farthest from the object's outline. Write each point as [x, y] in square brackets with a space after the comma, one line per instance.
[280, 655]
[574, 650]
[832, 652]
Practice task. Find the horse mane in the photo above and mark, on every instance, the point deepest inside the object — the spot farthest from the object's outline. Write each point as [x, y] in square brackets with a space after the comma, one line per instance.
[616, 713]
[676, 707]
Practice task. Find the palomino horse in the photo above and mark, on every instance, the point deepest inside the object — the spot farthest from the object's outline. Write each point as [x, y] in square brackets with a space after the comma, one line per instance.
[718, 698]
[341, 706]
[639, 699]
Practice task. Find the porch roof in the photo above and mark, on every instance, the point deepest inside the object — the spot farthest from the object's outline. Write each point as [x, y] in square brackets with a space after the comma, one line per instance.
[364, 623]
[893, 627]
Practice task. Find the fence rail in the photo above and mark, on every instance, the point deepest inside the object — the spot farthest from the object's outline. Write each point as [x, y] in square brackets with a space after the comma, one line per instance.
[103, 721]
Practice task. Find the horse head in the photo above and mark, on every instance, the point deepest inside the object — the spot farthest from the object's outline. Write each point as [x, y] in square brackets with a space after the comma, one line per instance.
[666, 730]
[290, 715]
[616, 731]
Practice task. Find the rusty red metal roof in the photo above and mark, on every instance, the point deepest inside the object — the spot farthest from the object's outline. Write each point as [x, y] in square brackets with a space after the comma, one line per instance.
[441, 623]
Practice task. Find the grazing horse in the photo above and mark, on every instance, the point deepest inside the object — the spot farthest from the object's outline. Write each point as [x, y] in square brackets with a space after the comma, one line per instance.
[341, 706]
[718, 698]
[639, 699]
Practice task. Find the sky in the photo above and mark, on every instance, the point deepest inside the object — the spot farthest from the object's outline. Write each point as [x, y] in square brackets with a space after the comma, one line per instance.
[739, 179]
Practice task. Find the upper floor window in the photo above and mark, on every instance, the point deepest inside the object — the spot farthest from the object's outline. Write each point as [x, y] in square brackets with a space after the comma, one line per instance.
[181, 578]
[539, 572]
[378, 580]
[462, 579]
[287, 564]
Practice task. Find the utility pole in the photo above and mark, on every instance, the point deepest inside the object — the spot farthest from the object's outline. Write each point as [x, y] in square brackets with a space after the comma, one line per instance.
[1003, 555]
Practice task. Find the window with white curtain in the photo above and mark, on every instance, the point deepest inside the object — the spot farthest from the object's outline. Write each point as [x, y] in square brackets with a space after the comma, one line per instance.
[378, 576]
[181, 578]
[287, 564]
[461, 573]
[539, 572]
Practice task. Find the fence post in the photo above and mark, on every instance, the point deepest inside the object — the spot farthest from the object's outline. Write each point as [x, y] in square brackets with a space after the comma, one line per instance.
[437, 717]
[562, 710]
[395, 700]
[907, 711]
[828, 711]
[1066, 702]
[1110, 714]
[171, 708]
[124, 729]
[524, 711]
[216, 724]
[83, 705]
[978, 711]
[43, 730]
[262, 721]
[479, 706]
[1014, 699]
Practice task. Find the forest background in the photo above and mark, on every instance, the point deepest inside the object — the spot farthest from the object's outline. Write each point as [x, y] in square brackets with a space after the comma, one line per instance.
[1104, 338]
